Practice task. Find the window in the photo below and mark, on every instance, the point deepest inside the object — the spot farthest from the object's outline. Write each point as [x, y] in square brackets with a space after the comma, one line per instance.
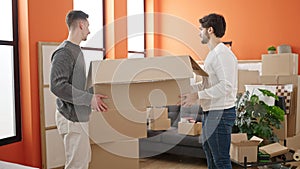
[93, 47]
[10, 121]
[136, 28]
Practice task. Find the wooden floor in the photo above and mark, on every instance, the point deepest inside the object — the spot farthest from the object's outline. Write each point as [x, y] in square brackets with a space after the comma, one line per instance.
[166, 161]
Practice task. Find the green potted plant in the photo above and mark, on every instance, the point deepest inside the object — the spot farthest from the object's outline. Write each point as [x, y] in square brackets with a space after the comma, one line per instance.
[256, 118]
[271, 50]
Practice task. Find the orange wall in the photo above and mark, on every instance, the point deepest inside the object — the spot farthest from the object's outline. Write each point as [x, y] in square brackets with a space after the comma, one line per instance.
[253, 26]
[249, 27]
[38, 21]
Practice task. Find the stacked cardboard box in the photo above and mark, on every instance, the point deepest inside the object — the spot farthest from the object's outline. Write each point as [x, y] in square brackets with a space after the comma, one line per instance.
[132, 85]
[247, 77]
[113, 155]
[282, 69]
[158, 118]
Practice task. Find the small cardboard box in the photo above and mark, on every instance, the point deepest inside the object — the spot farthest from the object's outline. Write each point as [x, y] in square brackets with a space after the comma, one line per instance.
[115, 155]
[192, 129]
[159, 124]
[274, 149]
[280, 64]
[157, 113]
[242, 147]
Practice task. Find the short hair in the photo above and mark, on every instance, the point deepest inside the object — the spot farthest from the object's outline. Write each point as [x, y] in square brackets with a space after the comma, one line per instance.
[74, 16]
[216, 21]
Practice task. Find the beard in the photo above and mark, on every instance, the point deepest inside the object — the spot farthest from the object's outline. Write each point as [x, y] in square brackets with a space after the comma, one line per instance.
[205, 38]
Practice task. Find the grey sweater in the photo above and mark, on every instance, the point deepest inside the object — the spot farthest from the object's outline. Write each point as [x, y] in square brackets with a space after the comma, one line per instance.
[67, 82]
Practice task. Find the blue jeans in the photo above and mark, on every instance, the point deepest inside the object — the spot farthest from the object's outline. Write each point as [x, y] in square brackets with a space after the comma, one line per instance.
[216, 137]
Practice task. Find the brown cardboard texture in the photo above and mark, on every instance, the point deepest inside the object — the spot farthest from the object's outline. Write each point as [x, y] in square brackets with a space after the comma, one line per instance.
[157, 113]
[282, 132]
[280, 64]
[274, 149]
[293, 143]
[192, 129]
[142, 82]
[279, 79]
[247, 77]
[160, 124]
[112, 126]
[242, 147]
[116, 155]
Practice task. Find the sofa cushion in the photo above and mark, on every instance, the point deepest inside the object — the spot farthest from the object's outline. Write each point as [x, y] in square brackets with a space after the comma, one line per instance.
[172, 137]
[175, 118]
[175, 112]
[154, 136]
[194, 111]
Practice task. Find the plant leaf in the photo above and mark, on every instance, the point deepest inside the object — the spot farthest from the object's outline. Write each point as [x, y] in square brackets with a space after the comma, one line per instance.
[268, 93]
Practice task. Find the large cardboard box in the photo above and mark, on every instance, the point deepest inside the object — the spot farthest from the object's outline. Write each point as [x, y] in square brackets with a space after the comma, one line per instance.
[132, 85]
[274, 149]
[111, 126]
[242, 147]
[191, 129]
[247, 77]
[115, 155]
[280, 64]
[139, 83]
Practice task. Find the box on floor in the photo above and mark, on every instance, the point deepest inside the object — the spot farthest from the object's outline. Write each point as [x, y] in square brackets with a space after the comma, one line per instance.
[115, 155]
[242, 147]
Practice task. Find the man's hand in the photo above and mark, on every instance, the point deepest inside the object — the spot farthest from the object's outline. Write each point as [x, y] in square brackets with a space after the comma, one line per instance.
[98, 104]
[187, 100]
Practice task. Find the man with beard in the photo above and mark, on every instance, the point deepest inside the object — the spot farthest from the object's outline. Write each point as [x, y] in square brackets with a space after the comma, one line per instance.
[217, 93]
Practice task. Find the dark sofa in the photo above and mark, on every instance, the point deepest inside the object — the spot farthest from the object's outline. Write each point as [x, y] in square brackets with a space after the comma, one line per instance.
[170, 141]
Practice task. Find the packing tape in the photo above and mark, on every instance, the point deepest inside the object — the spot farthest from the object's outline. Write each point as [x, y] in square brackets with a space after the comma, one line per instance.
[296, 155]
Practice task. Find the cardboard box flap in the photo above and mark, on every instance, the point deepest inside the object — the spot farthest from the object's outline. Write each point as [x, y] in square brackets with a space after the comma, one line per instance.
[274, 149]
[240, 139]
[142, 70]
[247, 143]
[196, 68]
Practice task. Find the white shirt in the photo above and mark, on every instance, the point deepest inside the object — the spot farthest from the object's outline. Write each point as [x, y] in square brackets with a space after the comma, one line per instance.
[218, 90]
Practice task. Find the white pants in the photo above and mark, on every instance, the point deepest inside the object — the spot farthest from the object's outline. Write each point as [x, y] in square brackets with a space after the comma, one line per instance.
[76, 142]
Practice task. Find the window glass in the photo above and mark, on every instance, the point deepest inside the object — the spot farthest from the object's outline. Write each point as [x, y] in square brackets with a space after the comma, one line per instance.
[7, 103]
[94, 8]
[6, 22]
[135, 19]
